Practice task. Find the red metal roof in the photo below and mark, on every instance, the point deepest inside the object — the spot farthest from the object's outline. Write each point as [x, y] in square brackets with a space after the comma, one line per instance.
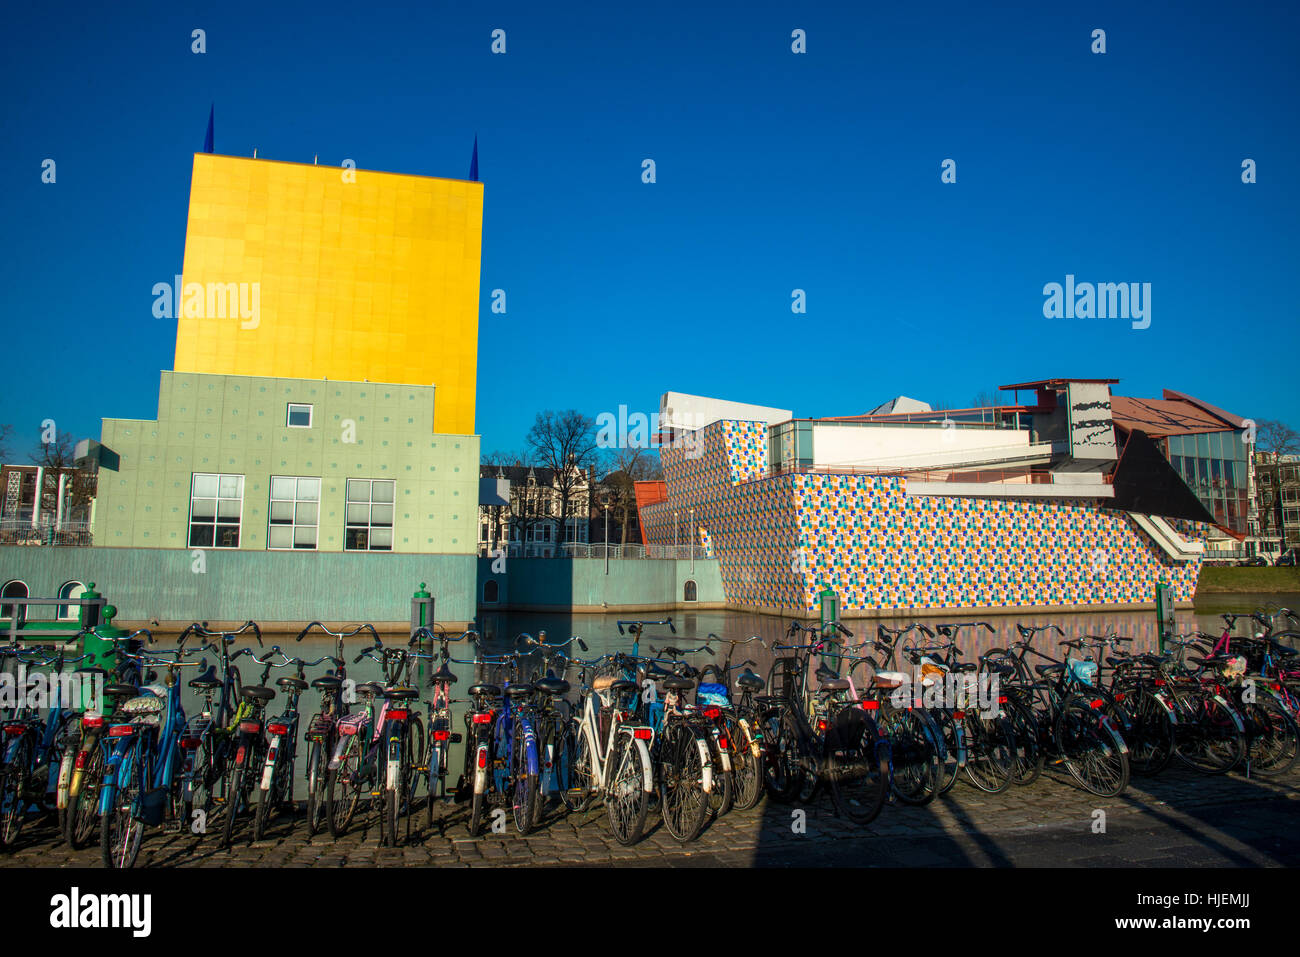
[1053, 383]
[1161, 417]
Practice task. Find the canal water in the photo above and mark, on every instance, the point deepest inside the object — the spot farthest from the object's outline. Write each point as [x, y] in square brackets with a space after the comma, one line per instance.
[600, 632]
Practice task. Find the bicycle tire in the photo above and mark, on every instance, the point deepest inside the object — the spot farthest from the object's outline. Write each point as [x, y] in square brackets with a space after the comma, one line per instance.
[626, 800]
[1209, 741]
[860, 796]
[1274, 748]
[83, 807]
[577, 785]
[682, 802]
[523, 785]
[1030, 755]
[783, 777]
[1153, 736]
[746, 767]
[913, 752]
[1092, 751]
[317, 781]
[342, 790]
[990, 753]
[13, 792]
[120, 835]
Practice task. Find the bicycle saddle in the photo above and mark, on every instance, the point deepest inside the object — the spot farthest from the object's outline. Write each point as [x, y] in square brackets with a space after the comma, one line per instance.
[964, 667]
[257, 693]
[1049, 669]
[326, 683]
[443, 674]
[825, 673]
[834, 684]
[207, 679]
[121, 691]
[551, 686]
[400, 694]
[676, 683]
[289, 681]
[611, 683]
[1003, 671]
[1217, 661]
[371, 688]
[654, 671]
[485, 691]
[519, 691]
[750, 681]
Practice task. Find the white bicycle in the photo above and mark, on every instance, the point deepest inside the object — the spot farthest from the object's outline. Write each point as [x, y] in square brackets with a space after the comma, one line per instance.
[609, 754]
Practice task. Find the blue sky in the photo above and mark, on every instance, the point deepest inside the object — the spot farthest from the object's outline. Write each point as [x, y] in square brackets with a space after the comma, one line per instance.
[775, 171]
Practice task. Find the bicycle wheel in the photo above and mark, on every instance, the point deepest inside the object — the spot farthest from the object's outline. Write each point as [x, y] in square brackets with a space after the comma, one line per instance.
[859, 779]
[522, 783]
[412, 752]
[1211, 740]
[83, 807]
[626, 799]
[438, 773]
[343, 787]
[1093, 752]
[680, 773]
[1029, 756]
[1274, 739]
[1152, 737]
[317, 789]
[991, 752]
[949, 762]
[783, 776]
[13, 792]
[746, 771]
[238, 788]
[575, 775]
[915, 761]
[120, 834]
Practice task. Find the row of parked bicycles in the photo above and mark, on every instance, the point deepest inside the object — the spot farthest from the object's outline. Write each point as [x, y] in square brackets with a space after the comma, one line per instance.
[686, 732]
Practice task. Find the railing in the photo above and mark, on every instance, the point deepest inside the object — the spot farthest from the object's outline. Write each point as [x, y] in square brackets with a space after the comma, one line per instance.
[1021, 476]
[23, 532]
[598, 550]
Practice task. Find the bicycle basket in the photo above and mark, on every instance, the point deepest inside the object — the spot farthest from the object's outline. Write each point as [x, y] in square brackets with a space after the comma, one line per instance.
[712, 695]
[1084, 672]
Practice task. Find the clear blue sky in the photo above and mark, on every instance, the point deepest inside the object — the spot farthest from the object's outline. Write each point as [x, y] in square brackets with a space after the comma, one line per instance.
[775, 171]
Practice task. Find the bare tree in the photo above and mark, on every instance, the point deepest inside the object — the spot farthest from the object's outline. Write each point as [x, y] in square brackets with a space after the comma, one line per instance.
[625, 467]
[566, 443]
[1276, 438]
[5, 432]
[59, 458]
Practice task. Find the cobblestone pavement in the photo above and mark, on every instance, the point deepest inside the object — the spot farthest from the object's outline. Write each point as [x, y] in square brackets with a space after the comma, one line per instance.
[1176, 819]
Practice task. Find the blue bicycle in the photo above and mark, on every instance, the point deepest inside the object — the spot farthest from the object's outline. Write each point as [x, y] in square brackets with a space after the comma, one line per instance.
[143, 758]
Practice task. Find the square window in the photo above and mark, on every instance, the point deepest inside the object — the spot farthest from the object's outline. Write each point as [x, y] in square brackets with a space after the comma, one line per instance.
[298, 416]
[294, 512]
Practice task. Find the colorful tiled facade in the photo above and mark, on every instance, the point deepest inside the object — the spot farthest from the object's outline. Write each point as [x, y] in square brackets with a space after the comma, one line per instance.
[781, 538]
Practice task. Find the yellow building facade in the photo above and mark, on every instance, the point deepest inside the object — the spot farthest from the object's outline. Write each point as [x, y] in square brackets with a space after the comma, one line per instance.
[340, 274]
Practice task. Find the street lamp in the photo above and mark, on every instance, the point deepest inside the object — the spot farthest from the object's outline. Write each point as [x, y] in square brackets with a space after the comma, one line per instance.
[604, 503]
[694, 536]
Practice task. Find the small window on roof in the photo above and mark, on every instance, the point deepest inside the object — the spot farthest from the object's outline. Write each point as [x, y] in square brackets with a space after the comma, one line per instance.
[299, 416]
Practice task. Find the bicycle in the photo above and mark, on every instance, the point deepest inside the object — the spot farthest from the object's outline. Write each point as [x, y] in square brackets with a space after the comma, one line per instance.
[282, 749]
[611, 757]
[552, 720]
[738, 724]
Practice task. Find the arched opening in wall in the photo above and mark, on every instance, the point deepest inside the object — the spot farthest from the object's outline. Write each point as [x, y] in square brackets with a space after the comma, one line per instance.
[12, 589]
[70, 591]
[491, 592]
[689, 591]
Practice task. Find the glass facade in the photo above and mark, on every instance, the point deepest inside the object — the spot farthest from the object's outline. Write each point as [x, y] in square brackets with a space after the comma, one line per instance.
[1213, 464]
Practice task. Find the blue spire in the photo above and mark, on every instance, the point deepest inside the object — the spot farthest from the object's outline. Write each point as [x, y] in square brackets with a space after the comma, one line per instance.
[473, 162]
[207, 140]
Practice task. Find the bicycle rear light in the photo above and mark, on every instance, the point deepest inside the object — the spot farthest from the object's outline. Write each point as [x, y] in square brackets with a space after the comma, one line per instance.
[397, 714]
[871, 706]
[441, 735]
[821, 724]
[250, 727]
[190, 744]
[117, 731]
[713, 714]
[642, 734]
[1097, 704]
[92, 721]
[482, 758]
[483, 718]
[278, 728]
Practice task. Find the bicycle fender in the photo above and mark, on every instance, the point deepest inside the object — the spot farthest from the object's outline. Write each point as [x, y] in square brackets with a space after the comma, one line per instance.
[1169, 709]
[1236, 718]
[338, 752]
[723, 756]
[530, 747]
[703, 747]
[393, 769]
[61, 789]
[754, 746]
[480, 768]
[1117, 739]
[268, 768]
[647, 772]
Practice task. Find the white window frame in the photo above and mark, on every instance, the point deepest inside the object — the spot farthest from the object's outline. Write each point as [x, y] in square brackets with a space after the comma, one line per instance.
[70, 612]
[189, 534]
[27, 593]
[293, 525]
[369, 526]
[288, 414]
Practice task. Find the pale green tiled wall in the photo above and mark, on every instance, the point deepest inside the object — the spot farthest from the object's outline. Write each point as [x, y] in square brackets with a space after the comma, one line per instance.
[213, 423]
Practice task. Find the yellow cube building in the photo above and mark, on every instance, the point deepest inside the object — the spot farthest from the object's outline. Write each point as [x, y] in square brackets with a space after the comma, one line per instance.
[354, 275]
